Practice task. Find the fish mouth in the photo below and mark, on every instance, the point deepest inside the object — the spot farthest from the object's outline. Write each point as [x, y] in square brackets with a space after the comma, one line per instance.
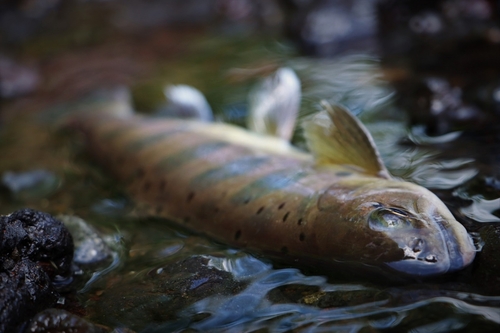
[448, 250]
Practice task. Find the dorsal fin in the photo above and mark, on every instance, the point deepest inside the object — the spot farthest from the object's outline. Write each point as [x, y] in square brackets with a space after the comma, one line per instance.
[335, 136]
[274, 104]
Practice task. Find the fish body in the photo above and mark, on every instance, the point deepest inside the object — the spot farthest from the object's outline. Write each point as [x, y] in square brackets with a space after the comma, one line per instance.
[260, 193]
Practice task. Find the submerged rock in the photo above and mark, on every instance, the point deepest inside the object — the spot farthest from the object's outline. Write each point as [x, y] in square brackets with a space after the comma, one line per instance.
[90, 247]
[36, 251]
[15, 79]
[487, 266]
[161, 294]
[61, 321]
[31, 184]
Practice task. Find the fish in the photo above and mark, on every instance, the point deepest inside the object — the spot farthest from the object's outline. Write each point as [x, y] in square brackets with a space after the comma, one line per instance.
[335, 203]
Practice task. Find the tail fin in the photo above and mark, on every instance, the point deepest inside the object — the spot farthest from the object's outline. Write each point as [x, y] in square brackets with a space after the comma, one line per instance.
[274, 104]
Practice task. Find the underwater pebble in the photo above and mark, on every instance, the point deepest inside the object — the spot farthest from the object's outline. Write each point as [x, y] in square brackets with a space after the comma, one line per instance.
[90, 247]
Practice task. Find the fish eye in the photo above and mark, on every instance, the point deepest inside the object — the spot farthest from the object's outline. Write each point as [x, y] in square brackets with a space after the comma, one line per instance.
[382, 219]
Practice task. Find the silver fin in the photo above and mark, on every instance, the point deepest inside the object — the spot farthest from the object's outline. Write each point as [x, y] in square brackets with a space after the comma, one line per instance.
[335, 136]
[187, 102]
[274, 104]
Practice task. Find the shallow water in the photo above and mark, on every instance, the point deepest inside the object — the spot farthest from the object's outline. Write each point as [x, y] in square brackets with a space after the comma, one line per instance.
[163, 278]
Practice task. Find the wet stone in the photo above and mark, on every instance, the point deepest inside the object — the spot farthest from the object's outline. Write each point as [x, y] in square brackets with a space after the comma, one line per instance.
[90, 247]
[162, 293]
[36, 251]
[31, 184]
[59, 321]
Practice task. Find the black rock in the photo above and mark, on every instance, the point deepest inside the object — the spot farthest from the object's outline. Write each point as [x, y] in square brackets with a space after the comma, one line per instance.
[35, 250]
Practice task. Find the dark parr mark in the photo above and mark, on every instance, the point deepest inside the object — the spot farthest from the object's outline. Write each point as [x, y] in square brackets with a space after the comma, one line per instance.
[237, 235]
[177, 160]
[302, 237]
[260, 210]
[190, 197]
[268, 184]
[281, 206]
[286, 216]
[229, 170]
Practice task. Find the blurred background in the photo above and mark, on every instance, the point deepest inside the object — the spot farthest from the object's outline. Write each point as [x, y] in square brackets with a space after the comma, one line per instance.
[423, 75]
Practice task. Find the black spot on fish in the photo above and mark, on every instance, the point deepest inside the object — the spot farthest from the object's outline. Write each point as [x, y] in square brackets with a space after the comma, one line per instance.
[299, 222]
[247, 200]
[237, 235]
[190, 197]
[302, 237]
[286, 216]
[343, 173]
[260, 210]
[284, 250]
[281, 206]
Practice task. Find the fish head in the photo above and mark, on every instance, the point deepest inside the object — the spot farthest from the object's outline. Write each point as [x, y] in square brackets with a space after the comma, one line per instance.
[415, 232]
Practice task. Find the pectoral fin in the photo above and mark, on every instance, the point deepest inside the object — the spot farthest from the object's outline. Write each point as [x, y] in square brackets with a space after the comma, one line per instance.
[273, 106]
[335, 136]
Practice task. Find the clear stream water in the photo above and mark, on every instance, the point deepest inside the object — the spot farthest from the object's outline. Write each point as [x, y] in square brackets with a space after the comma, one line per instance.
[165, 279]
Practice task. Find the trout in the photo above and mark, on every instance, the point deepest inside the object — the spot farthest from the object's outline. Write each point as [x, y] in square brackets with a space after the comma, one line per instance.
[337, 203]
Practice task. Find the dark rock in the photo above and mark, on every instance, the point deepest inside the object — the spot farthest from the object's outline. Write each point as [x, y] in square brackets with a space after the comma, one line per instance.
[36, 250]
[487, 264]
[36, 236]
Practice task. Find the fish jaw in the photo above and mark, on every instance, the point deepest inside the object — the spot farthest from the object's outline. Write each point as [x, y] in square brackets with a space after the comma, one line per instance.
[420, 234]
[433, 242]
[433, 251]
